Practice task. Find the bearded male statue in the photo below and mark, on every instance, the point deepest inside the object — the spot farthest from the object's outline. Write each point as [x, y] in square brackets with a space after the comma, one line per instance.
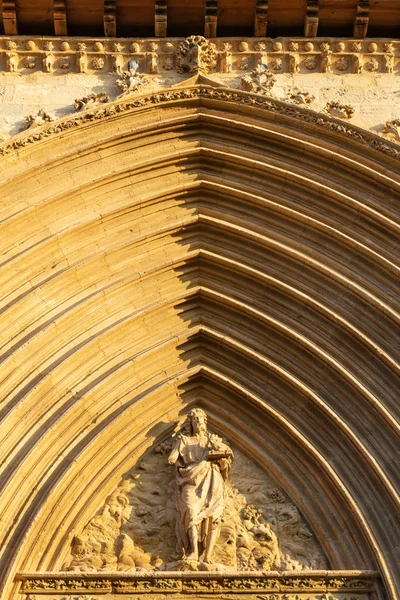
[202, 464]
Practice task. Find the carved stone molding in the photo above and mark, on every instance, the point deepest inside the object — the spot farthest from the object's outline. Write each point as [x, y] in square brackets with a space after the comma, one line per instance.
[197, 54]
[224, 94]
[274, 584]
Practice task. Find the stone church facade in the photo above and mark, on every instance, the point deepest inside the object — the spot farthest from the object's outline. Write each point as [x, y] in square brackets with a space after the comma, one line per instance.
[199, 301]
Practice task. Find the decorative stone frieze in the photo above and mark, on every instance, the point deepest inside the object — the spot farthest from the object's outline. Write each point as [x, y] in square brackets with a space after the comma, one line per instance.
[272, 585]
[197, 54]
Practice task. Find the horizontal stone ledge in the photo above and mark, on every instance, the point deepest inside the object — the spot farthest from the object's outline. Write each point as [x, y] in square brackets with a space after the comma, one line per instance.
[201, 581]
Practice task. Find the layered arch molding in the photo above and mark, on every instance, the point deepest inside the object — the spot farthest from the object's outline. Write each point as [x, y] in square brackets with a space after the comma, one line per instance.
[200, 252]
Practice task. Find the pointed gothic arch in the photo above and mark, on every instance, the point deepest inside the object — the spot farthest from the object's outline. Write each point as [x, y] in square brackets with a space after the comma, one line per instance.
[235, 243]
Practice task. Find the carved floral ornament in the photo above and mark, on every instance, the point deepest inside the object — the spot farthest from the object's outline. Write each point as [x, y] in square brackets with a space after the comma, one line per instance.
[197, 54]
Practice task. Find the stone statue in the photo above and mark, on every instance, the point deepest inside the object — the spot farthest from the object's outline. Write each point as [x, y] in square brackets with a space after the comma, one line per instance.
[202, 464]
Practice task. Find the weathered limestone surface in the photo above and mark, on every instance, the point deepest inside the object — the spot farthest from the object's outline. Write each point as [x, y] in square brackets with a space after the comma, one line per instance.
[374, 97]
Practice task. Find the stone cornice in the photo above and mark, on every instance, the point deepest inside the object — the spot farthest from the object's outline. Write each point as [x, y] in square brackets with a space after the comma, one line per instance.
[160, 56]
[129, 103]
[204, 582]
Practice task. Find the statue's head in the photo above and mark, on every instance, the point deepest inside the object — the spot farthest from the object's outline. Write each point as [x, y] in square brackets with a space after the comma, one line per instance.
[197, 419]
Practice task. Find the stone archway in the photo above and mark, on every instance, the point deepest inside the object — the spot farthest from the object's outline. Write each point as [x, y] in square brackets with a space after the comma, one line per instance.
[231, 248]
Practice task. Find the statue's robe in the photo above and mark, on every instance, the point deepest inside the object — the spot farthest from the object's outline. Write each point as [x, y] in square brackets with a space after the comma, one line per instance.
[200, 486]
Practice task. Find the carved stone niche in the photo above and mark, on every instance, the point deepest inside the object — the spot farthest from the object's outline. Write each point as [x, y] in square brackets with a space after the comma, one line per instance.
[135, 529]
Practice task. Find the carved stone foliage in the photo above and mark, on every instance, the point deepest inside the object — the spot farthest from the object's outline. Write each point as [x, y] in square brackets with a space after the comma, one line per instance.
[335, 109]
[197, 55]
[135, 530]
[29, 62]
[310, 63]
[40, 118]
[91, 100]
[342, 64]
[260, 81]
[372, 65]
[132, 80]
[297, 96]
[391, 130]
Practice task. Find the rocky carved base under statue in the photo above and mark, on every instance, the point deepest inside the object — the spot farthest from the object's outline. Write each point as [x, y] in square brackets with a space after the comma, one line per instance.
[212, 509]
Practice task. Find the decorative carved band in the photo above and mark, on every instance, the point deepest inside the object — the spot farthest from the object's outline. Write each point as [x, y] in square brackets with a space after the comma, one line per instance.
[160, 55]
[222, 94]
[322, 582]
